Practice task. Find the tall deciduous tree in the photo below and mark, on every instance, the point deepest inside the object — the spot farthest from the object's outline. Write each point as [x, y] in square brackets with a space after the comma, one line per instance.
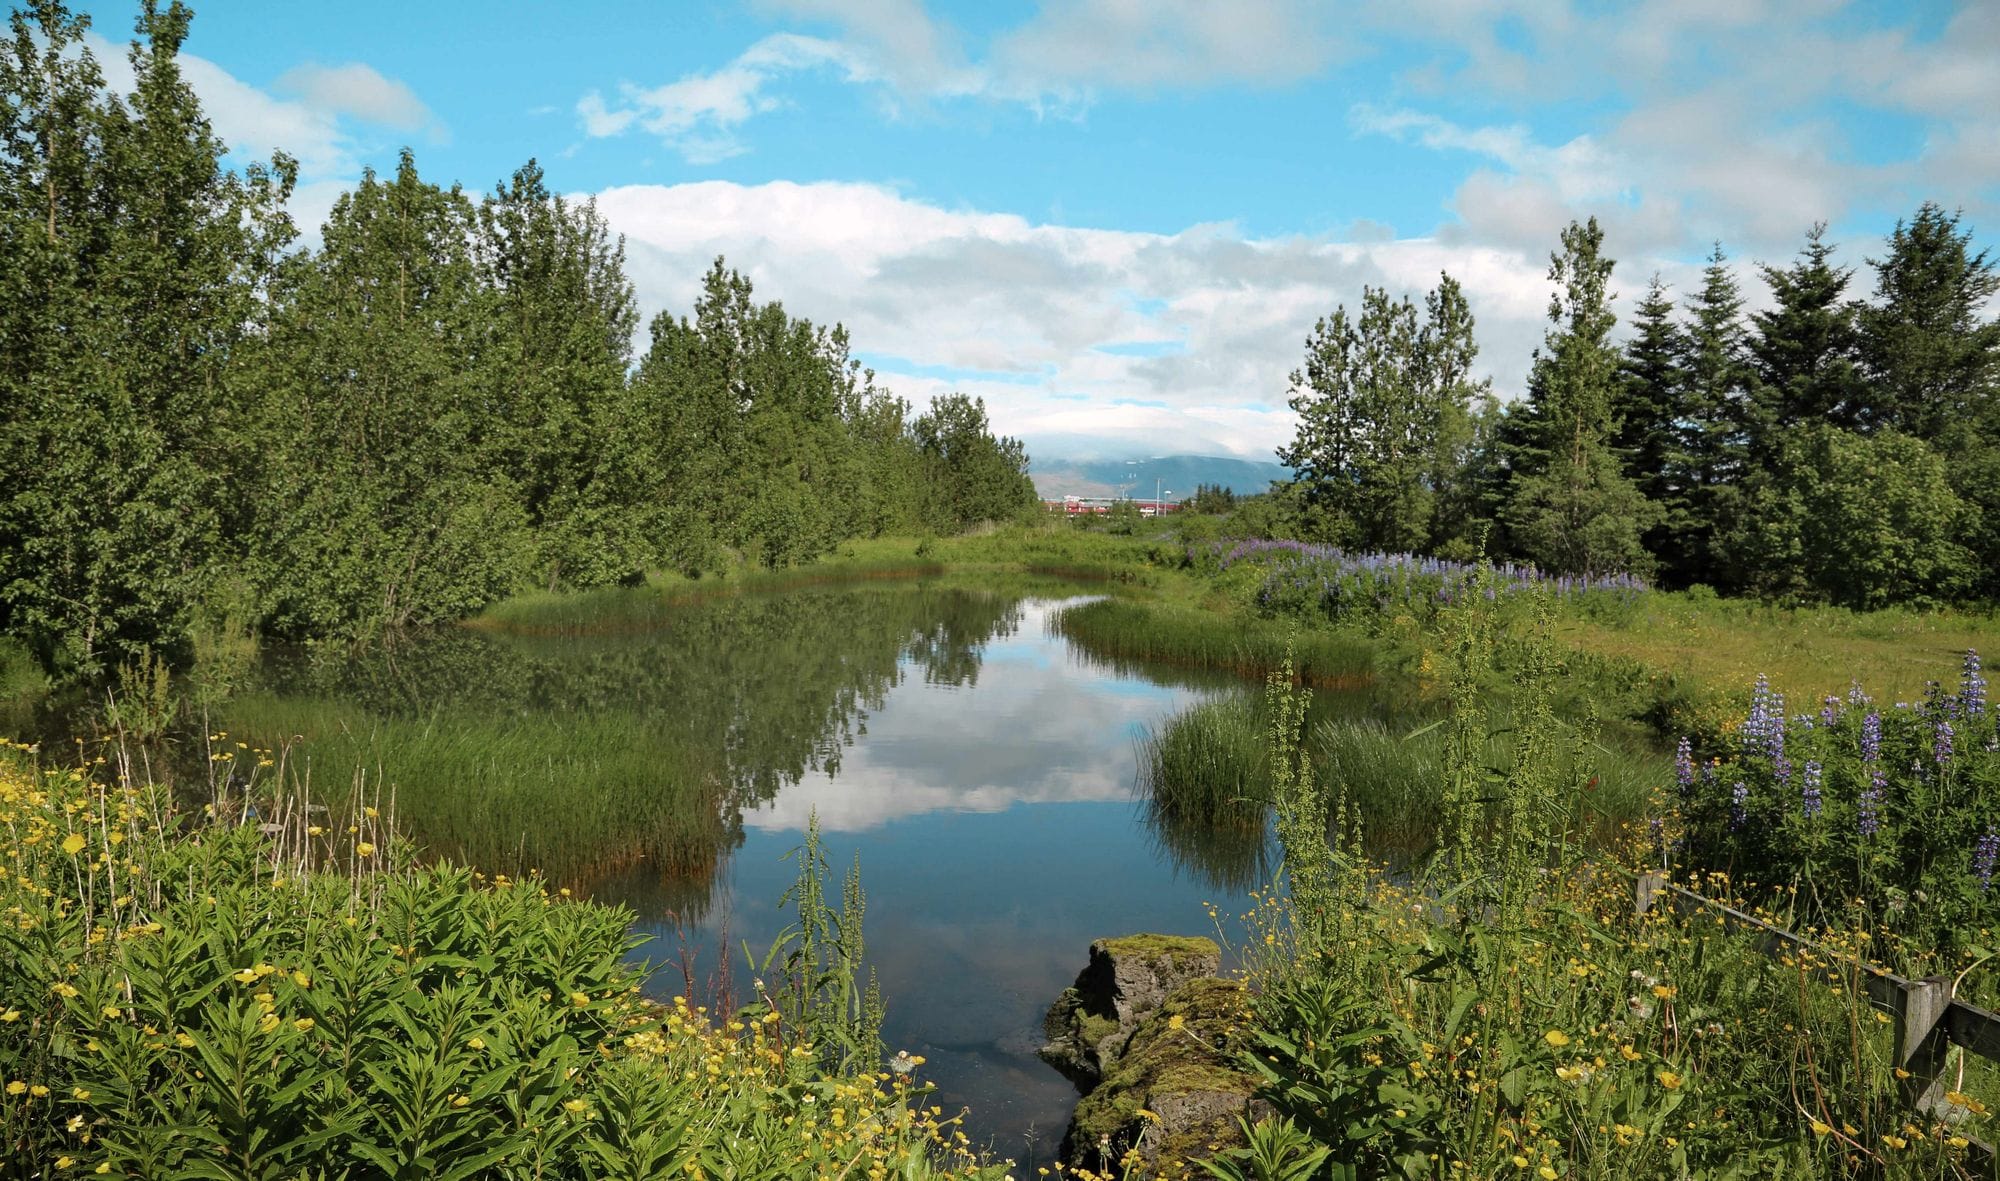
[970, 474]
[380, 512]
[134, 266]
[1567, 504]
[558, 344]
[1383, 402]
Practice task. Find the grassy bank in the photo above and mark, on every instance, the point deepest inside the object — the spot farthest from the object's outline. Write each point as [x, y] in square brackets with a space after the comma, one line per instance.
[1502, 1009]
[576, 797]
[1209, 765]
[186, 999]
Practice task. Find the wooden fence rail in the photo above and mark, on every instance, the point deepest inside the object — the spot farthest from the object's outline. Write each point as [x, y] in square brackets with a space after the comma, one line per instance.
[1928, 1019]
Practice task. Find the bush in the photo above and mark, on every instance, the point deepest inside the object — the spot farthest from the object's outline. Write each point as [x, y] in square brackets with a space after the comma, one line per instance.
[1866, 814]
[223, 1003]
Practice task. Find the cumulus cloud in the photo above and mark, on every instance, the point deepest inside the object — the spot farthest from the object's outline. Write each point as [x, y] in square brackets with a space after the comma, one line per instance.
[1022, 314]
[961, 752]
[311, 126]
[358, 91]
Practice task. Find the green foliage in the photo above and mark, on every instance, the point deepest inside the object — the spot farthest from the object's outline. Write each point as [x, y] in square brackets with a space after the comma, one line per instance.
[131, 266]
[1859, 815]
[970, 476]
[1508, 1013]
[1210, 500]
[1567, 504]
[1933, 365]
[206, 436]
[1858, 520]
[819, 960]
[1115, 629]
[1382, 405]
[212, 1002]
[1209, 764]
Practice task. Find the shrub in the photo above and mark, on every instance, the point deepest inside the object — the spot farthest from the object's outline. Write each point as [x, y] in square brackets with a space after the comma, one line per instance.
[1882, 815]
[211, 1001]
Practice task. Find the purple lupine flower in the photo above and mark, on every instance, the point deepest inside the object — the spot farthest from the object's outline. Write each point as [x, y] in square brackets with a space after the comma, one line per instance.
[1738, 797]
[1758, 722]
[1855, 694]
[1972, 687]
[1868, 816]
[1984, 854]
[1871, 737]
[1684, 765]
[1708, 773]
[1781, 769]
[1829, 712]
[1941, 742]
[1810, 799]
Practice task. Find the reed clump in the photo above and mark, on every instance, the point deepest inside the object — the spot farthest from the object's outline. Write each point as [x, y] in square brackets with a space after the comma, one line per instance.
[1121, 629]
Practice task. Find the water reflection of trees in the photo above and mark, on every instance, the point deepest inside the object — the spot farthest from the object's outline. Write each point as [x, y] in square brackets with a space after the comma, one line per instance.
[760, 689]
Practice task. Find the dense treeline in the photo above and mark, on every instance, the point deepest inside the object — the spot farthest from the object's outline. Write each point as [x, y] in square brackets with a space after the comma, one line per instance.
[207, 430]
[1828, 448]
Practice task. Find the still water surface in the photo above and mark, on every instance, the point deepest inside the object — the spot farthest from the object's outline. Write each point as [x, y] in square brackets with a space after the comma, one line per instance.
[982, 771]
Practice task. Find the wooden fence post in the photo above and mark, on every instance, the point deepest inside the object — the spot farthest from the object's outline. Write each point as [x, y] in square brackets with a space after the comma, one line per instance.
[1921, 1044]
[1648, 887]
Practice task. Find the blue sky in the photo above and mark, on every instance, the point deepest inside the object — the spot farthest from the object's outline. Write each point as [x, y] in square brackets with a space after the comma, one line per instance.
[1117, 220]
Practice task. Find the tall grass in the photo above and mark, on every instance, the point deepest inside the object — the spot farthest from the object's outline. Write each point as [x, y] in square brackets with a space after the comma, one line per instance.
[1118, 629]
[1396, 774]
[579, 797]
[1206, 775]
[1209, 763]
[624, 610]
[184, 999]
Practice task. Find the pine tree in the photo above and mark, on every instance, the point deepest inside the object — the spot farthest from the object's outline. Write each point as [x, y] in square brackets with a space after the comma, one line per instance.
[1650, 436]
[1803, 350]
[1567, 505]
[1932, 364]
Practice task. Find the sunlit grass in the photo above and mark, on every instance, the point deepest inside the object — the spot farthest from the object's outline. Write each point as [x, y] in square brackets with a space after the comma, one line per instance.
[576, 797]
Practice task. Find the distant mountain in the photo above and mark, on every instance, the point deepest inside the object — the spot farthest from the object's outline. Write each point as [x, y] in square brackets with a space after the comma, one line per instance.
[1176, 476]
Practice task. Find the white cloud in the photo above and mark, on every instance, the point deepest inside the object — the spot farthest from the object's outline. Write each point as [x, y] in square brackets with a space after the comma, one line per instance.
[698, 114]
[1018, 313]
[357, 90]
[962, 752]
[255, 123]
[1078, 46]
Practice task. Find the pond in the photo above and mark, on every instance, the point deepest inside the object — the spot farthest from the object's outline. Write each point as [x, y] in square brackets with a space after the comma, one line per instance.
[982, 771]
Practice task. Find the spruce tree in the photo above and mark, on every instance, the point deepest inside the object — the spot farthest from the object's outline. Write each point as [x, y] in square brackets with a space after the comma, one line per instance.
[1567, 504]
[1932, 363]
[1803, 350]
[1716, 413]
[1651, 428]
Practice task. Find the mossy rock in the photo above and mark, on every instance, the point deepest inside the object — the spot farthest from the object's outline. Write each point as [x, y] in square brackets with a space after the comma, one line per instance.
[1171, 1092]
[1126, 979]
[1178, 948]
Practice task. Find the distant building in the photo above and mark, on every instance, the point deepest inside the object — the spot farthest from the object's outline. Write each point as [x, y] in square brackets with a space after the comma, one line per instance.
[1078, 505]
